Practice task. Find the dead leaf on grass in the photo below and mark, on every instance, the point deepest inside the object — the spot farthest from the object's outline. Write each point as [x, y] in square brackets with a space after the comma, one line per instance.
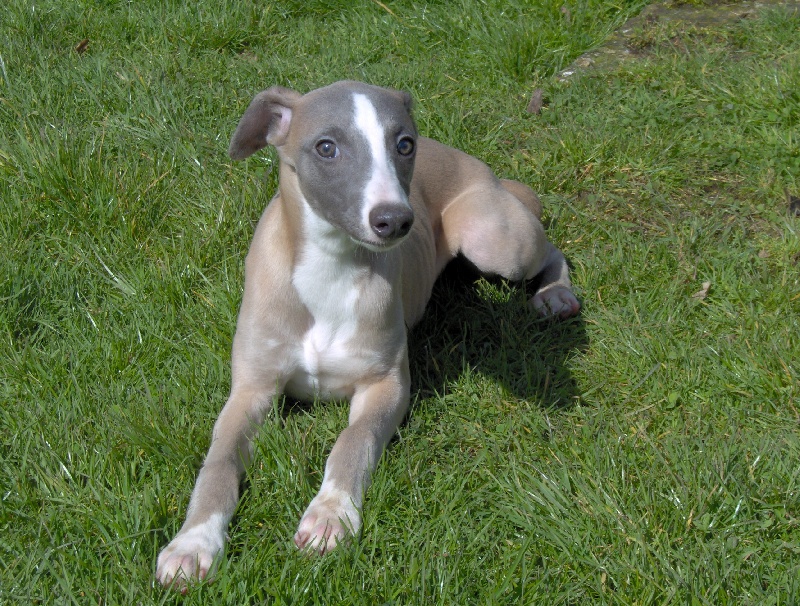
[567, 14]
[535, 106]
[703, 292]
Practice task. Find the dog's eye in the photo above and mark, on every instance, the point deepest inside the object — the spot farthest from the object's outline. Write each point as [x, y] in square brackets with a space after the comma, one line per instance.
[405, 146]
[327, 149]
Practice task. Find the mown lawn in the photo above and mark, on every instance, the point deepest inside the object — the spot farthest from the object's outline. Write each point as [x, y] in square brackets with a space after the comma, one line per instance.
[646, 452]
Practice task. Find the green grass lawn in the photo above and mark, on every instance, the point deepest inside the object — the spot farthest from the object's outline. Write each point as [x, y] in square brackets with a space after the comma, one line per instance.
[647, 452]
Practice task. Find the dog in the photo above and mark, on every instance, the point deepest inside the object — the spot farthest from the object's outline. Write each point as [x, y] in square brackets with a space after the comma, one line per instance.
[342, 262]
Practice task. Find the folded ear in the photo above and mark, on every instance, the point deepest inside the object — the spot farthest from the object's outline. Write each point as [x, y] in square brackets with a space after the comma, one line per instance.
[403, 96]
[407, 100]
[265, 122]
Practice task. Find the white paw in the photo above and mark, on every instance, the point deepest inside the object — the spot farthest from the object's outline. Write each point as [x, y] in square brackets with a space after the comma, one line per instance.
[192, 555]
[556, 300]
[330, 519]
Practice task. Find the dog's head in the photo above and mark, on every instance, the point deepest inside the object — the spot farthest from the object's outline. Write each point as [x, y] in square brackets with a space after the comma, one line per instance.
[351, 148]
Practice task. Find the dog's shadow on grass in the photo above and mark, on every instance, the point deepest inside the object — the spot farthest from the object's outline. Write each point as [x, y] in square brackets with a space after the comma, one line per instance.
[484, 326]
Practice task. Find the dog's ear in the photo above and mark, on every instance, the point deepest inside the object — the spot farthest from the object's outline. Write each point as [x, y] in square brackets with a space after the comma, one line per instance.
[265, 122]
[407, 100]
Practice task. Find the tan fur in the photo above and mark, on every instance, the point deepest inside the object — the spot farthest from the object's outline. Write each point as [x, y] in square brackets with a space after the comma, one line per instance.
[460, 207]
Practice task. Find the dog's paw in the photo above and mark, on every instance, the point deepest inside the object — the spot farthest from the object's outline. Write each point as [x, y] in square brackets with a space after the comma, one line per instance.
[331, 518]
[556, 300]
[192, 555]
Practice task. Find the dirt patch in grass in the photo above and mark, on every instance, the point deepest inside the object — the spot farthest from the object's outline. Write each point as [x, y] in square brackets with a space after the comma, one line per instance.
[668, 22]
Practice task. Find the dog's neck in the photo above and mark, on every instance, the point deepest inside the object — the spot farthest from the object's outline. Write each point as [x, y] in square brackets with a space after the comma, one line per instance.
[332, 273]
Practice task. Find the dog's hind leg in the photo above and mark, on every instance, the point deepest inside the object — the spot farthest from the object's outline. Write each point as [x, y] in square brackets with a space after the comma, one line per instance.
[376, 411]
[524, 194]
[195, 550]
[554, 295]
[494, 226]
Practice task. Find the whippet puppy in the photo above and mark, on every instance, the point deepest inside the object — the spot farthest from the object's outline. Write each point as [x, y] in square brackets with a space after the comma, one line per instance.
[343, 261]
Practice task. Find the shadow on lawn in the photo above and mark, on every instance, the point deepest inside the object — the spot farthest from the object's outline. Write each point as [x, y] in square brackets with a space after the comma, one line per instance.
[468, 328]
[465, 331]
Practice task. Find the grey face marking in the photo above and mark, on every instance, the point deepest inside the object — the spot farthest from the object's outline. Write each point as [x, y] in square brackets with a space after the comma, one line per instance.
[353, 154]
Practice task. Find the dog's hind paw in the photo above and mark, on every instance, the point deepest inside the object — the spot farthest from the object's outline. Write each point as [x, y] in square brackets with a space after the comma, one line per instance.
[191, 556]
[556, 300]
[331, 518]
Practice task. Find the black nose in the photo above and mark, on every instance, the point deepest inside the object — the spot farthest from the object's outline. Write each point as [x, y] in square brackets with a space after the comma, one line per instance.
[391, 221]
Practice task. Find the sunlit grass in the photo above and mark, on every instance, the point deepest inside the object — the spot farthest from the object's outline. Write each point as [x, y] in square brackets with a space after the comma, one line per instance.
[646, 452]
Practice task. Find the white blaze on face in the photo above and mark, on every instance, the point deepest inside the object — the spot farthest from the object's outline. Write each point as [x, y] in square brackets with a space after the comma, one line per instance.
[383, 185]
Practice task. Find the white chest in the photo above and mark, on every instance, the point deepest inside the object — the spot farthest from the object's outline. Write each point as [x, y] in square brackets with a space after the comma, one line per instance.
[331, 355]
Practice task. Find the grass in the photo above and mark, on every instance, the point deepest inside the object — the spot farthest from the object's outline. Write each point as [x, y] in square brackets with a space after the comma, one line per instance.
[647, 452]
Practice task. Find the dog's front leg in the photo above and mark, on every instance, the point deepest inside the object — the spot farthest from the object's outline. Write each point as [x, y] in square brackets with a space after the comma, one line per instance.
[195, 550]
[376, 410]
